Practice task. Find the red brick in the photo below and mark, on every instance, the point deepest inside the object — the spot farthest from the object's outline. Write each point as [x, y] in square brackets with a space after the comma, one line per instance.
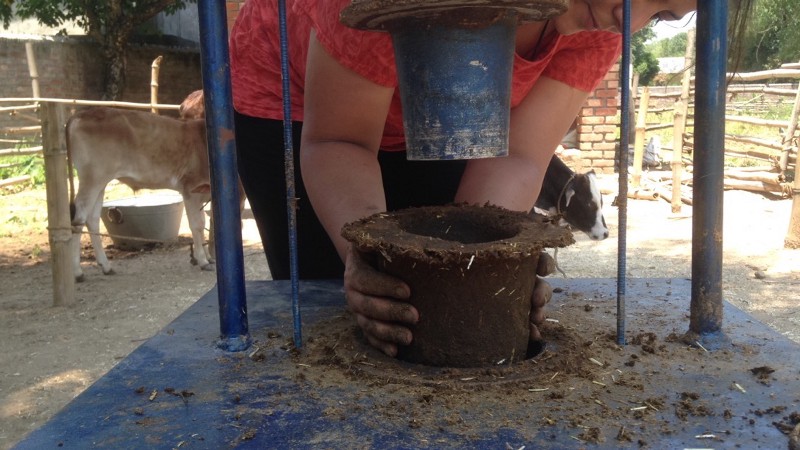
[592, 120]
[605, 93]
[605, 128]
[607, 145]
[594, 137]
[605, 112]
[592, 154]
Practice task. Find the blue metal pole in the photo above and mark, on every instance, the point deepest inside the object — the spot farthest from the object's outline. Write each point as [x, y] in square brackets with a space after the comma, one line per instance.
[622, 198]
[709, 146]
[234, 335]
[291, 201]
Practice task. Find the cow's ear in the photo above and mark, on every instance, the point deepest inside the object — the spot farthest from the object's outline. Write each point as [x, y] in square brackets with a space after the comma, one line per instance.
[591, 172]
[569, 194]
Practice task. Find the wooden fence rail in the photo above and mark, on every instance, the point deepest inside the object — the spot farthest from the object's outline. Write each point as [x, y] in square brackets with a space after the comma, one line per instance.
[78, 102]
[20, 152]
[22, 130]
[14, 109]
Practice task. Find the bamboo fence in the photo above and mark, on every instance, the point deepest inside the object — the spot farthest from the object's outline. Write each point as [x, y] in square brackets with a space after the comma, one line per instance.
[775, 156]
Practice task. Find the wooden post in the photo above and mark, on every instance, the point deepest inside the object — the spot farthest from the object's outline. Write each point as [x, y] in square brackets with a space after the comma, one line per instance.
[638, 146]
[788, 137]
[32, 69]
[679, 120]
[58, 219]
[686, 81]
[154, 68]
[793, 235]
[792, 239]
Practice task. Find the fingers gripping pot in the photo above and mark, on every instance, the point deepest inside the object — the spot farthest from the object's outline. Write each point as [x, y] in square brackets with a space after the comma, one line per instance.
[454, 62]
[471, 270]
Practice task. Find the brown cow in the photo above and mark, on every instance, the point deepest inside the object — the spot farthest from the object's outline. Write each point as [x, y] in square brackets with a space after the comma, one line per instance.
[144, 151]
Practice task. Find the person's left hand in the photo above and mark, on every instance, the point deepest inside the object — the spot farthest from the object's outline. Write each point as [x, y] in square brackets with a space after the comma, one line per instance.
[542, 293]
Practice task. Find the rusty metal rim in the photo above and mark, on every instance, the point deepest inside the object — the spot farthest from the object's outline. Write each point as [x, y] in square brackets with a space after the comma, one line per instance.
[377, 15]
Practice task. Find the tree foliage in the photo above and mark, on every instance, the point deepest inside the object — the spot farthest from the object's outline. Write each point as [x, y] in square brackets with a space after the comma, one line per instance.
[772, 37]
[669, 47]
[110, 23]
[644, 62]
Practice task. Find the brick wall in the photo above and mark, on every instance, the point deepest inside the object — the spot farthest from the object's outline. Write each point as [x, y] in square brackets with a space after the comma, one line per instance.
[179, 73]
[598, 125]
[233, 7]
[61, 67]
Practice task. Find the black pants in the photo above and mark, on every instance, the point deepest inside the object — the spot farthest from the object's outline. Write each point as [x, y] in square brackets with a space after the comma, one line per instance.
[260, 157]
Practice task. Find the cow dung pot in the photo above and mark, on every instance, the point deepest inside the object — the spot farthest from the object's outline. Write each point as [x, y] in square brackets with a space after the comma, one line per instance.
[471, 270]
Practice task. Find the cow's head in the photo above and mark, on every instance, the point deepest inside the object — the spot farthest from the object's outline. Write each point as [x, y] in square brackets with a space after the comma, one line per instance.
[192, 107]
[582, 206]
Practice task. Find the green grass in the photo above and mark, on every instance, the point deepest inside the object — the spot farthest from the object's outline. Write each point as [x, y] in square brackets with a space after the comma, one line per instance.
[14, 166]
[19, 165]
[734, 161]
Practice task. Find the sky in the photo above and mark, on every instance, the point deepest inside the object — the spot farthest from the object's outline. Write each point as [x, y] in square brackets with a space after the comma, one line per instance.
[665, 30]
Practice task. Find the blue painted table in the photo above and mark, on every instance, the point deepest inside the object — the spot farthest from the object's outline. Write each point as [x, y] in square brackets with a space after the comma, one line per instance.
[178, 390]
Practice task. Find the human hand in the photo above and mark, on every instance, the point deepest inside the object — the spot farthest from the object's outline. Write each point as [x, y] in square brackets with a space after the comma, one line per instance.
[542, 293]
[373, 297]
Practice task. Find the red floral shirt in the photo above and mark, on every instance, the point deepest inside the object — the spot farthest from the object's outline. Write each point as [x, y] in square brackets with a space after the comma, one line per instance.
[580, 60]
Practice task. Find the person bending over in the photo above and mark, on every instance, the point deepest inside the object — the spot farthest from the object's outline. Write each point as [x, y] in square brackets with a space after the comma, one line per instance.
[348, 134]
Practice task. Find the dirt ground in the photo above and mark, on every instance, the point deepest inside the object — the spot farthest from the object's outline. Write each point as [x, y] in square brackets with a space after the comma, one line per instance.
[48, 355]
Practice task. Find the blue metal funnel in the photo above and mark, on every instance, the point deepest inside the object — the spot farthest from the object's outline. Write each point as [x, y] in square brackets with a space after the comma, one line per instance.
[454, 63]
[455, 86]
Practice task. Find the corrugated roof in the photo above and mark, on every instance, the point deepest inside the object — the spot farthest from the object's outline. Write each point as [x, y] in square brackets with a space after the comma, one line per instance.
[672, 64]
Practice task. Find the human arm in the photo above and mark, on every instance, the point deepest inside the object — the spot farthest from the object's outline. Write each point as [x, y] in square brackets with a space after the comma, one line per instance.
[344, 116]
[537, 126]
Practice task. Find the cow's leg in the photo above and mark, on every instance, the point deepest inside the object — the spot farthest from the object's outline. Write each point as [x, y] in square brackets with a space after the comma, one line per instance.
[197, 223]
[93, 224]
[89, 198]
[76, 253]
[78, 220]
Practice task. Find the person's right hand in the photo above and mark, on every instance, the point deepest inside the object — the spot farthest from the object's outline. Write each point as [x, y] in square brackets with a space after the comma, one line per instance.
[373, 297]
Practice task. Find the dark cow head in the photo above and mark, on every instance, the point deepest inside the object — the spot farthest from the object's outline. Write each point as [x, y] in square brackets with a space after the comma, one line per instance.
[582, 206]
